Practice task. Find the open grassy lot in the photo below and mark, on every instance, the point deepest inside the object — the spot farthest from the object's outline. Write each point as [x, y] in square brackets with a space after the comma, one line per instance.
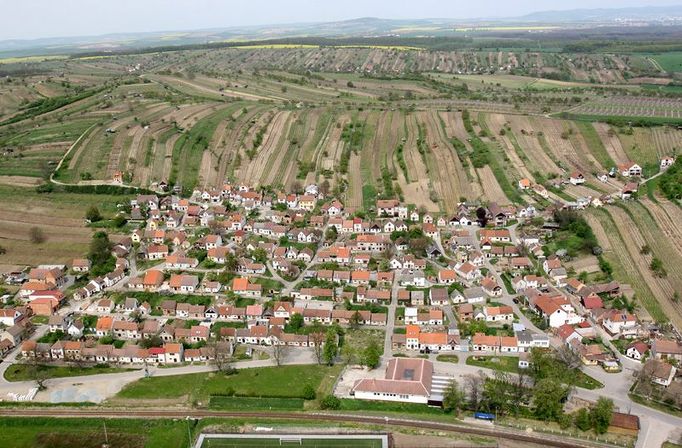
[89, 433]
[24, 372]
[361, 338]
[281, 382]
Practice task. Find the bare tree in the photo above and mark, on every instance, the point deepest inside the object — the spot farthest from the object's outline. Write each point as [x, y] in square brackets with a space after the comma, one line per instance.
[222, 355]
[37, 374]
[644, 378]
[317, 338]
[473, 387]
[568, 357]
[279, 353]
[520, 385]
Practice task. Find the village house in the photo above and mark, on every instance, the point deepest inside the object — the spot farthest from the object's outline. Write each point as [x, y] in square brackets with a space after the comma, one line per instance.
[183, 283]
[242, 287]
[630, 169]
[666, 349]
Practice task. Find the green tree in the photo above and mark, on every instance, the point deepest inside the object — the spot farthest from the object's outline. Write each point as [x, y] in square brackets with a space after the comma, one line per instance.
[231, 263]
[601, 414]
[120, 221]
[371, 356]
[100, 249]
[453, 397]
[260, 256]
[330, 347]
[93, 214]
[330, 402]
[309, 392]
[295, 323]
[548, 395]
[582, 420]
[349, 354]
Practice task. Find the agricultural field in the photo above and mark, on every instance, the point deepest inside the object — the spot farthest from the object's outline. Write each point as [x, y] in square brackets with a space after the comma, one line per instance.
[425, 126]
[632, 107]
[59, 216]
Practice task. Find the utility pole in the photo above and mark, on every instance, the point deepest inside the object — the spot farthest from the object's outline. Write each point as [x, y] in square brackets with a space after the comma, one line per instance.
[106, 436]
[189, 432]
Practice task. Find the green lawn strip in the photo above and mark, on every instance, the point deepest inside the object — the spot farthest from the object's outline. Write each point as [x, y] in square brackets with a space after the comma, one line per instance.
[502, 363]
[595, 145]
[620, 120]
[189, 148]
[24, 372]
[369, 196]
[348, 404]
[448, 358]
[660, 406]
[249, 403]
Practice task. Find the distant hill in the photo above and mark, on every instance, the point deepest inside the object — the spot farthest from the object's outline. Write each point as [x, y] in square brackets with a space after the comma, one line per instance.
[648, 13]
[360, 27]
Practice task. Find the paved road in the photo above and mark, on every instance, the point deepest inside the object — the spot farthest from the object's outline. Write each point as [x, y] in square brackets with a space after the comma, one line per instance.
[390, 322]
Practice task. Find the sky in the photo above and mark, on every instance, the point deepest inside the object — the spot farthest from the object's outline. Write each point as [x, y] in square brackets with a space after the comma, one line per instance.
[31, 19]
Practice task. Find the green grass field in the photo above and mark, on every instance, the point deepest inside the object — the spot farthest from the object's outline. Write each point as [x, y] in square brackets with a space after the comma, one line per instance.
[279, 382]
[670, 62]
[39, 432]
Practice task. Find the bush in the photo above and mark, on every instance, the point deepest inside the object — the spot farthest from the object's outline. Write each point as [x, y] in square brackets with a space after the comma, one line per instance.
[582, 420]
[309, 392]
[36, 235]
[93, 214]
[330, 402]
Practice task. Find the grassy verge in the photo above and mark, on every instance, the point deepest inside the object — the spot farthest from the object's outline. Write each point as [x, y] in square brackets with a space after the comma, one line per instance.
[348, 404]
[249, 403]
[23, 372]
[448, 358]
[502, 363]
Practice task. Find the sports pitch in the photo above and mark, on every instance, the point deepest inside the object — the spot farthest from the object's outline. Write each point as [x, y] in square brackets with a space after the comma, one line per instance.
[226, 441]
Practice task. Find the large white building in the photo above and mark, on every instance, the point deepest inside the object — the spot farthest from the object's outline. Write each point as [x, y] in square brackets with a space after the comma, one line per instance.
[407, 379]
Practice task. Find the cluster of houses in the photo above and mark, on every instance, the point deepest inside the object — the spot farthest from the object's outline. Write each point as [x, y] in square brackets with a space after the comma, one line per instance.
[628, 172]
[339, 269]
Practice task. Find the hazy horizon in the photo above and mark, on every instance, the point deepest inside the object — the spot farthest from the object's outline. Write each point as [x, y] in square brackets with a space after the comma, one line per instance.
[38, 19]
